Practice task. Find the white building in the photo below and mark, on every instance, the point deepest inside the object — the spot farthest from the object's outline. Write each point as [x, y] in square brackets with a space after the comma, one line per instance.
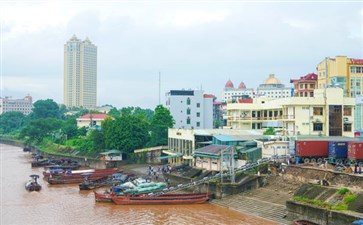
[190, 108]
[230, 93]
[273, 88]
[24, 105]
[80, 73]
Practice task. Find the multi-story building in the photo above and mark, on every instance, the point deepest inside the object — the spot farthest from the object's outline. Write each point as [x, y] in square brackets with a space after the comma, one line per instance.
[343, 72]
[304, 87]
[273, 88]
[183, 142]
[190, 108]
[230, 93]
[80, 73]
[328, 113]
[346, 73]
[358, 122]
[24, 105]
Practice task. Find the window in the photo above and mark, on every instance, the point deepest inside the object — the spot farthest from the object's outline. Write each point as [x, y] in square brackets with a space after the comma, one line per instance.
[318, 127]
[318, 111]
[188, 101]
[188, 120]
[188, 111]
[348, 127]
[198, 124]
[198, 114]
[198, 105]
[301, 86]
[312, 85]
[347, 111]
[358, 69]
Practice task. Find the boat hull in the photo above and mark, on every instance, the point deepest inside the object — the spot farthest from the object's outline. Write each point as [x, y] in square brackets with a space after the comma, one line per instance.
[174, 199]
[158, 201]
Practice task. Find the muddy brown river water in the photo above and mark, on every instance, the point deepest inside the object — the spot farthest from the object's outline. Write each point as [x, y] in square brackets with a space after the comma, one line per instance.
[65, 204]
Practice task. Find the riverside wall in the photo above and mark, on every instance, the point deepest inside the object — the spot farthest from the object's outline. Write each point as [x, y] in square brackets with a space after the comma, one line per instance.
[297, 210]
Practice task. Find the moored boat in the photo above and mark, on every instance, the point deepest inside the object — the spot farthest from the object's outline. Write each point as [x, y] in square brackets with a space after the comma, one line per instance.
[304, 222]
[32, 184]
[78, 173]
[161, 199]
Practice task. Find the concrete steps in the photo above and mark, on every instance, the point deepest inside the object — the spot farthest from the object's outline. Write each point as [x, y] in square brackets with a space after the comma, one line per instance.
[261, 202]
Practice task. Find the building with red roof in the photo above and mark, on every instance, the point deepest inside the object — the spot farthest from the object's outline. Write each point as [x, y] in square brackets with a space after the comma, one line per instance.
[230, 93]
[90, 120]
[305, 86]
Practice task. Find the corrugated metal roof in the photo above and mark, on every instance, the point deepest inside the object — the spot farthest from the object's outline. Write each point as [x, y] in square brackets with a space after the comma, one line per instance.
[211, 149]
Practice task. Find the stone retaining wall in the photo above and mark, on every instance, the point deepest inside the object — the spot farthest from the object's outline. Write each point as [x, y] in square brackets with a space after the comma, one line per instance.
[297, 210]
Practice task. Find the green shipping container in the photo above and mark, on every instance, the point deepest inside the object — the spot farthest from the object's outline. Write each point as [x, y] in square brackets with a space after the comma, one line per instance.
[251, 154]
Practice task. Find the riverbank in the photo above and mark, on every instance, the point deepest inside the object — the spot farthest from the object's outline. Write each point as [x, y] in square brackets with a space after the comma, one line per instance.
[65, 204]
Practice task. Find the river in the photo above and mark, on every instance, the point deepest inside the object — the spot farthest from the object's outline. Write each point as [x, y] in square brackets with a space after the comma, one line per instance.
[65, 204]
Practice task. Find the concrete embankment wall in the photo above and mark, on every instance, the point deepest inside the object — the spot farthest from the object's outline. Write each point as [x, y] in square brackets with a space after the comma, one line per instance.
[220, 190]
[305, 175]
[297, 210]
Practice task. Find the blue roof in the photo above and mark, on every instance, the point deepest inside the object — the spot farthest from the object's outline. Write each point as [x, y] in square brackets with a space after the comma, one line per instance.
[222, 137]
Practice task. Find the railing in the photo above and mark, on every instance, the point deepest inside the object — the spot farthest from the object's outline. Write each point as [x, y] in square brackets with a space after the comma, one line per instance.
[218, 175]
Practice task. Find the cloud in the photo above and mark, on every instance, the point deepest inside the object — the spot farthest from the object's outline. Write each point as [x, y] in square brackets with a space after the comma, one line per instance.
[191, 44]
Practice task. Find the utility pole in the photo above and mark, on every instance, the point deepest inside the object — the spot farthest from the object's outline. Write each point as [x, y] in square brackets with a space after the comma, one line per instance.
[159, 86]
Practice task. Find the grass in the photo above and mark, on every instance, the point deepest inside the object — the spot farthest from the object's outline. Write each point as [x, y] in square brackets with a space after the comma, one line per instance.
[312, 202]
[343, 190]
[349, 199]
[340, 207]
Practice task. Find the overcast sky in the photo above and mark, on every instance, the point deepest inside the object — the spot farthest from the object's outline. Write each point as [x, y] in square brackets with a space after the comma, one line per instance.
[193, 44]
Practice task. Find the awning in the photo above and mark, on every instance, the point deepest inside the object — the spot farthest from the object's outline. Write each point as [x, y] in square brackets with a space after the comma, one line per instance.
[114, 151]
[168, 152]
[189, 157]
[169, 156]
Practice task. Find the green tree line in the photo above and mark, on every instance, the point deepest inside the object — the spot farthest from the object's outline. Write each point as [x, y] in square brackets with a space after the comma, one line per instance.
[125, 129]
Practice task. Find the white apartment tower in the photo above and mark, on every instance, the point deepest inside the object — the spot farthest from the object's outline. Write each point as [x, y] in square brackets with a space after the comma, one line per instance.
[80, 73]
[191, 108]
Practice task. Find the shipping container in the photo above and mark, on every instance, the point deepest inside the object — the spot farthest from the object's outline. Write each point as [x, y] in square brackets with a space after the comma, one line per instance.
[311, 149]
[355, 151]
[338, 150]
[251, 155]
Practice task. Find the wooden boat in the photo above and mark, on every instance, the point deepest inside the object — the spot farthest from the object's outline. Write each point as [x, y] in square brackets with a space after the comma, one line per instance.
[73, 180]
[107, 197]
[78, 173]
[161, 200]
[304, 222]
[32, 184]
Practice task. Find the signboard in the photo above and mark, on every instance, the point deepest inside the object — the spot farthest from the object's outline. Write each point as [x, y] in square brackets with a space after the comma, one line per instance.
[359, 100]
[357, 61]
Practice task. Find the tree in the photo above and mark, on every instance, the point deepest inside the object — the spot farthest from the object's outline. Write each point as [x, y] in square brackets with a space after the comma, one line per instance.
[126, 133]
[114, 113]
[45, 109]
[11, 121]
[160, 122]
[148, 113]
[98, 140]
[70, 128]
[38, 129]
[269, 131]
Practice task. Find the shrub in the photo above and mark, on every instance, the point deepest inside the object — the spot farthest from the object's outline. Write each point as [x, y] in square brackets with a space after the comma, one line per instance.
[343, 190]
[350, 198]
[340, 207]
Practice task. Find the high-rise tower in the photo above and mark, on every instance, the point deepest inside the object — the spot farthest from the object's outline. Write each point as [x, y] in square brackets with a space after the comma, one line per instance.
[80, 73]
